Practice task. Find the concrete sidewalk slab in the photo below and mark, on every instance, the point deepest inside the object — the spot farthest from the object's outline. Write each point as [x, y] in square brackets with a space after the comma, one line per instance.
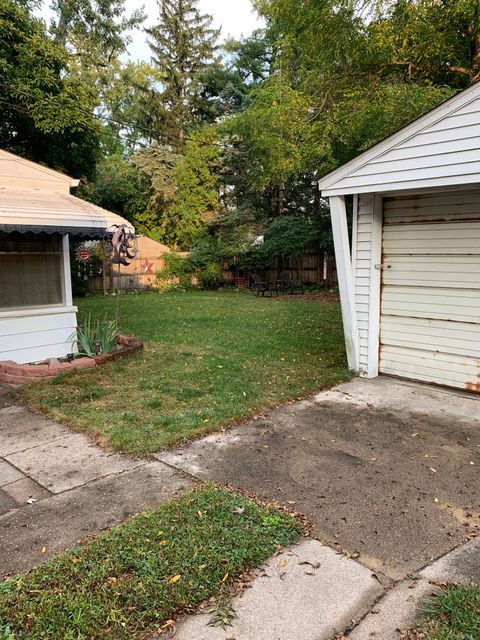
[69, 462]
[398, 610]
[21, 429]
[21, 490]
[8, 473]
[308, 592]
[59, 522]
[397, 487]
[393, 394]
[460, 566]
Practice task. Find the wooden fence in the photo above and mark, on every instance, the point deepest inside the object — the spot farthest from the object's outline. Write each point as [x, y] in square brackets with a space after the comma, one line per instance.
[310, 268]
[140, 274]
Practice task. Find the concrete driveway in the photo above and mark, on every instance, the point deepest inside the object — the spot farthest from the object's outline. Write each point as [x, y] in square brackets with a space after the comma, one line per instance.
[387, 470]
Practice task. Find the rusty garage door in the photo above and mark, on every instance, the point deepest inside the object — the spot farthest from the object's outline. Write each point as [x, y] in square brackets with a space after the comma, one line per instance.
[430, 312]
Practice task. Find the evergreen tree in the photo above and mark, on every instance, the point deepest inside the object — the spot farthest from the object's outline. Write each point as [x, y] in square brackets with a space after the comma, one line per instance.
[183, 46]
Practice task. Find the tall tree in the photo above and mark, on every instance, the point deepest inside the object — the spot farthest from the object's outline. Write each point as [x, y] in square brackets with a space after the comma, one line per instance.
[94, 30]
[183, 45]
[46, 115]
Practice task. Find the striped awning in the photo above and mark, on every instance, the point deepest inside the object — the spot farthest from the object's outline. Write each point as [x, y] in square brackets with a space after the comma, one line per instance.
[43, 211]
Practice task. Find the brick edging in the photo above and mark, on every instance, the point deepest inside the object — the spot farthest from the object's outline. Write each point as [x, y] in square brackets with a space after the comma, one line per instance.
[17, 374]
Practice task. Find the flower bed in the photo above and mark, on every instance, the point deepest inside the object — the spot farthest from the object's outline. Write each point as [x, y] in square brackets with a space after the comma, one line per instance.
[17, 374]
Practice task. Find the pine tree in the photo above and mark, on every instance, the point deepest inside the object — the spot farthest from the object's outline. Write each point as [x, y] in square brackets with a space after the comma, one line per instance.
[183, 46]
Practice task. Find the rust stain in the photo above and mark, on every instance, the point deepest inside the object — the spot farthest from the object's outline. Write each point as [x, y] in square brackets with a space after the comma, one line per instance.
[474, 386]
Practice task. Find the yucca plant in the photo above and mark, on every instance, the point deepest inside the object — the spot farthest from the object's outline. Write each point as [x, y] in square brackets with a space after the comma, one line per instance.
[103, 332]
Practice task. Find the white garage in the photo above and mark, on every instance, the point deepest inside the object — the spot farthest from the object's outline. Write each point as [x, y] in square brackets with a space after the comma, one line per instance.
[410, 285]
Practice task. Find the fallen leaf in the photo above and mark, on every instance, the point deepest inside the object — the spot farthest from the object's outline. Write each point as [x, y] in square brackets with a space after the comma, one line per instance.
[282, 563]
[372, 459]
[163, 543]
[433, 470]
[472, 462]
[44, 549]
[239, 510]
[174, 579]
[435, 499]
[315, 565]
[414, 435]
[224, 577]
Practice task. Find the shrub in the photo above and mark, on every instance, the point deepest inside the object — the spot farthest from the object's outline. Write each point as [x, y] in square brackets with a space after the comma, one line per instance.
[177, 269]
[211, 276]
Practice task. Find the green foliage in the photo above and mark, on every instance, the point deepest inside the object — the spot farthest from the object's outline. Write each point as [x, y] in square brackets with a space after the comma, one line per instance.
[276, 128]
[128, 582]
[197, 198]
[102, 331]
[286, 237]
[156, 166]
[46, 114]
[183, 44]
[117, 187]
[177, 269]
[211, 276]
[453, 614]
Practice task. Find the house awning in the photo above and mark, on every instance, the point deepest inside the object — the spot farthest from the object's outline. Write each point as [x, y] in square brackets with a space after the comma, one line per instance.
[42, 211]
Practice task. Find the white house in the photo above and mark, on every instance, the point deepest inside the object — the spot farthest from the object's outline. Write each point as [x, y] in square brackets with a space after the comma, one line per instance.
[37, 217]
[410, 287]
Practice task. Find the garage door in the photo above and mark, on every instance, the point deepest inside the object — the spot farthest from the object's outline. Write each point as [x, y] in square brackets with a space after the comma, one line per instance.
[430, 311]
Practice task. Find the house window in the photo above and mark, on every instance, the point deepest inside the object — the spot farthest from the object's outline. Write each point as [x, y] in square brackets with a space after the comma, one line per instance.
[30, 270]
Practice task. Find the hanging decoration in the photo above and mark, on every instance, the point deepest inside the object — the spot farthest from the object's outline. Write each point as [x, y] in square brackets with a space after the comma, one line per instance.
[83, 256]
[91, 256]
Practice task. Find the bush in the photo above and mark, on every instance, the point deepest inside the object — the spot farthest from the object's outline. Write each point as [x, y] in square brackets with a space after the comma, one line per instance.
[211, 276]
[176, 274]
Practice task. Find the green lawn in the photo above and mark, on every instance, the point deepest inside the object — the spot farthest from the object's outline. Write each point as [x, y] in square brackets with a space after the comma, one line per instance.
[452, 615]
[142, 574]
[209, 359]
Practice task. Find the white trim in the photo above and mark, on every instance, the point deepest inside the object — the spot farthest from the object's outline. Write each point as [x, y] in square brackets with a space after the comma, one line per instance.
[354, 233]
[345, 279]
[67, 277]
[375, 287]
[326, 184]
[26, 312]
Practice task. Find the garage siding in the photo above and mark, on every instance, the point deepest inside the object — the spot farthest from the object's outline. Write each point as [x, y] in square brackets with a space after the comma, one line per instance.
[440, 148]
[363, 251]
[430, 311]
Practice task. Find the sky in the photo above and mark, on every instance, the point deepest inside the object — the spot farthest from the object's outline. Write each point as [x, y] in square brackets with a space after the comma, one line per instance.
[234, 17]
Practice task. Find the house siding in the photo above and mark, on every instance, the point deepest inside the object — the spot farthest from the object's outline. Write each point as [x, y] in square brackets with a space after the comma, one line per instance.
[362, 264]
[35, 335]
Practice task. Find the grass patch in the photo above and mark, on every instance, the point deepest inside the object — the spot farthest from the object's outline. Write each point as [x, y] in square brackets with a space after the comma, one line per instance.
[144, 572]
[209, 359]
[452, 615]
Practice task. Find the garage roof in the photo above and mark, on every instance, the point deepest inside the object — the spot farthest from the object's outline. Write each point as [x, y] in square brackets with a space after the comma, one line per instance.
[439, 149]
[39, 210]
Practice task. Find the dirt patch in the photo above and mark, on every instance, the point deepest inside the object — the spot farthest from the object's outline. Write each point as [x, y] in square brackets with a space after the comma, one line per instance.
[396, 490]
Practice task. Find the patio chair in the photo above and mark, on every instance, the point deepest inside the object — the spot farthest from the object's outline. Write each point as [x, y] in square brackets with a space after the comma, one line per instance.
[263, 287]
[285, 284]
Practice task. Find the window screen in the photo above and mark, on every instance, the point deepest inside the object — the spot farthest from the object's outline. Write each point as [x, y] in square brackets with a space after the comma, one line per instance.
[30, 270]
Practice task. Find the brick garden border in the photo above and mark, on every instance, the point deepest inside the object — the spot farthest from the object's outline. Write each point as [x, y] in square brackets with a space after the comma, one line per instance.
[17, 374]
